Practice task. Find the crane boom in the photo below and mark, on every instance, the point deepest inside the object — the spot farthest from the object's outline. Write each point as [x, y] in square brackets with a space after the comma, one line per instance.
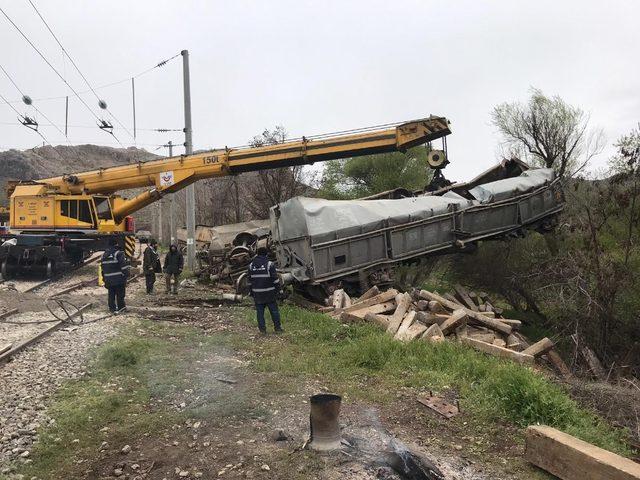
[168, 175]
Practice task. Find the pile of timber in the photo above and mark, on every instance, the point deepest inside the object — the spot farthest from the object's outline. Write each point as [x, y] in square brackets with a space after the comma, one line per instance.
[461, 316]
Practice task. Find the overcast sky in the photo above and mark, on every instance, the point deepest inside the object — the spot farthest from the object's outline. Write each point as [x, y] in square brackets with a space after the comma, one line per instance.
[317, 67]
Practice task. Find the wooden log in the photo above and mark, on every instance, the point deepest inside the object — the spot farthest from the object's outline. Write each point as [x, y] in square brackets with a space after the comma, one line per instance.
[372, 292]
[380, 298]
[403, 301]
[416, 330]
[514, 343]
[428, 318]
[498, 351]
[377, 308]
[539, 348]
[380, 320]
[463, 295]
[482, 308]
[489, 314]
[436, 307]
[570, 458]
[492, 323]
[556, 360]
[5, 348]
[462, 330]
[326, 309]
[483, 296]
[456, 319]
[407, 321]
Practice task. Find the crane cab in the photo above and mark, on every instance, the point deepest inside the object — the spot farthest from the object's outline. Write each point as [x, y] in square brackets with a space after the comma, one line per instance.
[34, 209]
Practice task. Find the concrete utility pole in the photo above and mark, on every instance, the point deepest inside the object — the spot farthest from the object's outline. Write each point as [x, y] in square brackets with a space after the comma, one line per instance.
[188, 146]
[172, 217]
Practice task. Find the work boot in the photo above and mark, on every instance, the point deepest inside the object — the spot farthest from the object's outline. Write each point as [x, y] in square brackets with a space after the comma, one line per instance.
[263, 332]
[279, 330]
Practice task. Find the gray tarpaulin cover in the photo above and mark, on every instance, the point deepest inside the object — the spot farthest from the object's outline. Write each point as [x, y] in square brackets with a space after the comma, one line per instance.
[510, 187]
[325, 220]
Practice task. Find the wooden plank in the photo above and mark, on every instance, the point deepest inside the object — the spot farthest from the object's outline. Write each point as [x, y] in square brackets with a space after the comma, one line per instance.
[327, 309]
[570, 458]
[403, 300]
[539, 348]
[422, 305]
[499, 342]
[463, 295]
[346, 300]
[497, 351]
[407, 321]
[380, 320]
[381, 298]
[476, 299]
[453, 299]
[492, 323]
[456, 319]
[372, 292]
[516, 324]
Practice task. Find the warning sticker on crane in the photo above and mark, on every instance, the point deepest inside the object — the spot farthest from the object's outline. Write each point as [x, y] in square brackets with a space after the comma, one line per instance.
[166, 179]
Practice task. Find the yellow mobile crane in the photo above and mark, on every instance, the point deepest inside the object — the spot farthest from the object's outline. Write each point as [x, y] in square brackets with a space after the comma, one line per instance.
[60, 220]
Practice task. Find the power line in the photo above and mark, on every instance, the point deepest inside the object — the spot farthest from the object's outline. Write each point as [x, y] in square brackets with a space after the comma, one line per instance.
[39, 133]
[25, 96]
[107, 85]
[159, 130]
[100, 101]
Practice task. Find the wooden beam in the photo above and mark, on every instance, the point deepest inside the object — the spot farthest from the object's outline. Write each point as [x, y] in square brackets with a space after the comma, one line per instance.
[347, 317]
[478, 317]
[456, 319]
[497, 351]
[380, 298]
[372, 292]
[407, 321]
[570, 458]
[377, 308]
[539, 348]
[463, 295]
[403, 300]
[555, 358]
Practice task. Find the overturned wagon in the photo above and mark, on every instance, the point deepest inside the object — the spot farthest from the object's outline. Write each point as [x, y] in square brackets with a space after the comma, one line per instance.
[356, 243]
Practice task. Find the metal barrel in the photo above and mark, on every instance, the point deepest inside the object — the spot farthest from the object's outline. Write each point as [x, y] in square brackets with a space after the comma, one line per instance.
[323, 419]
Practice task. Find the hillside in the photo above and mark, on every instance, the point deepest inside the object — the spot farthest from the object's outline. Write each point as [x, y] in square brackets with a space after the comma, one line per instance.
[45, 162]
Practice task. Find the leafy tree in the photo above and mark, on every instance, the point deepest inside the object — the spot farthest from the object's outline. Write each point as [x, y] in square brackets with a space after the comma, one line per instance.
[362, 176]
[548, 132]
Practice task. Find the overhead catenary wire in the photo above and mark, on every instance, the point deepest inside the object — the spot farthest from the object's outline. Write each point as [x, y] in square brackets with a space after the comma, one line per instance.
[75, 65]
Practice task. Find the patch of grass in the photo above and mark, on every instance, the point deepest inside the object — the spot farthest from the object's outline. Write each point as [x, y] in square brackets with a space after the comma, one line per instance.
[363, 362]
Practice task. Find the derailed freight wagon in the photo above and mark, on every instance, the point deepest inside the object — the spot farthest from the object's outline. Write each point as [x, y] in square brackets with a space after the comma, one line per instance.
[357, 242]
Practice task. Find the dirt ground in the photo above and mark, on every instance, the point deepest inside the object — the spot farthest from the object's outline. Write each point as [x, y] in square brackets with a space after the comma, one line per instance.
[244, 423]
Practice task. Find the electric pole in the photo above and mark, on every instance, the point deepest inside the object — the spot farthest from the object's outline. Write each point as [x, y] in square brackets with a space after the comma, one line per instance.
[172, 218]
[188, 146]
